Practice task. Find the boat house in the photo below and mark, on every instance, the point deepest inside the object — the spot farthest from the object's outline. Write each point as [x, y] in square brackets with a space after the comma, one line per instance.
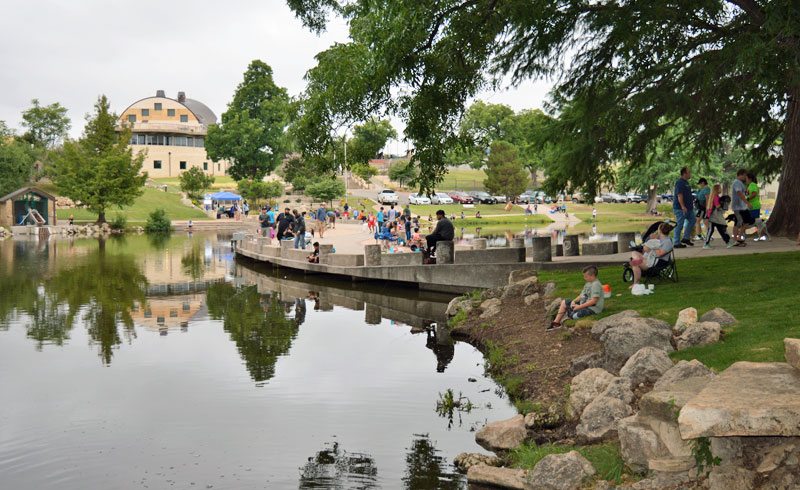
[28, 206]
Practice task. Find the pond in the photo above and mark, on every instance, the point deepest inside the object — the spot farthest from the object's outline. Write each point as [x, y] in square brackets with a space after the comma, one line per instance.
[134, 363]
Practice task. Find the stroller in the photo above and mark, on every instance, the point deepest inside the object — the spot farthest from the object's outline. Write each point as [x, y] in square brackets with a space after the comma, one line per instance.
[665, 268]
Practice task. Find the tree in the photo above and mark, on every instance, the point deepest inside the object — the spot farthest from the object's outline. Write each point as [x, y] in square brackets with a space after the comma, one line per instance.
[368, 141]
[16, 165]
[99, 170]
[252, 131]
[505, 174]
[194, 182]
[326, 189]
[46, 125]
[260, 190]
[724, 68]
[402, 172]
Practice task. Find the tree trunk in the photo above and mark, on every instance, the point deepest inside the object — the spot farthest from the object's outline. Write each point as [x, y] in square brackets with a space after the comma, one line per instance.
[785, 217]
[101, 217]
[652, 200]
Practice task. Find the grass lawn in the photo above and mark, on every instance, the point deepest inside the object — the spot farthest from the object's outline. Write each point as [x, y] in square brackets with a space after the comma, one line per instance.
[605, 458]
[486, 209]
[467, 179]
[618, 212]
[760, 290]
[144, 205]
[220, 182]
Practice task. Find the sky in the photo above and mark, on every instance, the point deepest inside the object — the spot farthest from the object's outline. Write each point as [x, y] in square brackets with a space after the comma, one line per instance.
[71, 52]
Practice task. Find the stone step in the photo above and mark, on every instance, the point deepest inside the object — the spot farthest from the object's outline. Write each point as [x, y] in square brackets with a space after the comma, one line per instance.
[665, 404]
[679, 464]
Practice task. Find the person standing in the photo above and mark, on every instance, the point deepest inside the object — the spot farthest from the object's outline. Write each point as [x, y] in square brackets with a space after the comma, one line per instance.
[716, 218]
[407, 212]
[380, 218]
[321, 216]
[755, 207]
[740, 207]
[246, 209]
[702, 203]
[392, 214]
[285, 220]
[263, 222]
[299, 228]
[271, 217]
[683, 209]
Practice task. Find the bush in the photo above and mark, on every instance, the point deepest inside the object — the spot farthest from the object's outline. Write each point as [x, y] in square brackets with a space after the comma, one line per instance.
[120, 222]
[158, 222]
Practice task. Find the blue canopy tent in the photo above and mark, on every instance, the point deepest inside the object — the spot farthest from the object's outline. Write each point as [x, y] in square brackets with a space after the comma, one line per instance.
[226, 196]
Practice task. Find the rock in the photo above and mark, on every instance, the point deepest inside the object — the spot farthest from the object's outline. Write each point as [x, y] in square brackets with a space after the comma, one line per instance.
[497, 477]
[686, 317]
[502, 435]
[549, 289]
[599, 418]
[465, 461]
[720, 316]
[561, 472]
[491, 307]
[584, 388]
[552, 309]
[730, 477]
[621, 342]
[672, 464]
[666, 402]
[775, 457]
[548, 419]
[492, 293]
[619, 388]
[646, 366]
[529, 299]
[490, 312]
[696, 334]
[791, 349]
[523, 275]
[638, 443]
[668, 481]
[591, 360]
[604, 324]
[683, 370]
[457, 304]
[747, 399]
[523, 288]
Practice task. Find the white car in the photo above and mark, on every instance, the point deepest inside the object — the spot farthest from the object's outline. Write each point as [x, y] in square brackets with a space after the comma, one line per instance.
[500, 199]
[417, 199]
[388, 196]
[441, 198]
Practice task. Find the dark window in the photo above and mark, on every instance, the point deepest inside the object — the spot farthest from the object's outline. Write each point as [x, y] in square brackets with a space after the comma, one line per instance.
[171, 112]
[157, 106]
[205, 165]
[198, 141]
[183, 165]
[132, 118]
[184, 118]
[218, 167]
[145, 112]
[189, 141]
[156, 164]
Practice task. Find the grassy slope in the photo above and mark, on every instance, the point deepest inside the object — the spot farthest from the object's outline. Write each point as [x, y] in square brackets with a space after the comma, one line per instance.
[759, 290]
[220, 182]
[462, 179]
[144, 205]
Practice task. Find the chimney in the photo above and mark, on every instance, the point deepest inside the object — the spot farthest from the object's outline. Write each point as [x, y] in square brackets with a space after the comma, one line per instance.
[160, 93]
[181, 97]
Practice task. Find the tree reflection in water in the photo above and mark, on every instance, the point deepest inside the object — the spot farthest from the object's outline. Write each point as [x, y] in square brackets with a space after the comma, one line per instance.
[426, 469]
[257, 324]
[334, 467]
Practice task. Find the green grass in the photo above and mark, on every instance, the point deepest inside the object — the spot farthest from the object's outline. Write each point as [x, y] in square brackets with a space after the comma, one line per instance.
[486, 209]
[618, 212]
[760, 290]
[220, 182]
[605, 458]
[141, 208]
[462, 179]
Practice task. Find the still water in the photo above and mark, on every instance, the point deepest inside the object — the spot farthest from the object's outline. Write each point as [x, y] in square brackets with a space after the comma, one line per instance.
[133, 363]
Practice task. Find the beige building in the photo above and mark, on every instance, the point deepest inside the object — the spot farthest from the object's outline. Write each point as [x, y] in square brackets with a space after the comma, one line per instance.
[172, 133]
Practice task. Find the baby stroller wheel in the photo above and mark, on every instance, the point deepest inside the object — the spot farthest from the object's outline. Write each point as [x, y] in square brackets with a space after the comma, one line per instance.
[627, 274]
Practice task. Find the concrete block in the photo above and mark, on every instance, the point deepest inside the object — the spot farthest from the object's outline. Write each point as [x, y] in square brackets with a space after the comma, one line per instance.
[541, 249]
[445, 252]
[479, 244]
[286, 245]
[372, 255]
[401, 259]
[517, 243]
[298, 254]
[599, 248]
[490, 256]
[571, 246]
[342, 260]
[624, 241]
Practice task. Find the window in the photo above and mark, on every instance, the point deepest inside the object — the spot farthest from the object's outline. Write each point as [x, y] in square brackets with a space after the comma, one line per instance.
[157, 106]
[183, 165]
[179, 140]
[132, 118]
[184, 118]
[156, 164]
[218, 167]
[198, 141]
[205, 165]
[189, 141]
[170, 112]
[145, 112]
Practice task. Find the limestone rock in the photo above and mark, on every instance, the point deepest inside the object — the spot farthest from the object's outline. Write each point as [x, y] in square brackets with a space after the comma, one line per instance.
[646, 366]
[490, 312]
[775, 457]
[599, 418]
[491, 293]
[604, 324]
[621, 342]
[457, 304]
[491, 307]
[747, 399]
[497, 477]
[523, 275]
[522, 288]
[549, 289]
[582, 363]
[584, 388]
[792, 352]
[529, 299]
[669, 481]
[619, 388]
[730, 477]
[683, 370]
[720, 316]
[552, 309]
[547, 419]
[502, 435]
[465, 461]
[665, 403]
[638, 443]
[702, 333]
[561, 472]
[686, 317]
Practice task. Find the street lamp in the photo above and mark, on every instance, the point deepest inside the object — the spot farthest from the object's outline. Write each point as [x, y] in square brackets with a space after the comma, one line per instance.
[169, 163]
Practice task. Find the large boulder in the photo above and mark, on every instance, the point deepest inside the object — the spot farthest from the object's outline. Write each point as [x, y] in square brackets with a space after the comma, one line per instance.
[584, 388]
[686, 317]
[497, 477]
[702, 333]
[544, 419]
[582, 363]
[619, 388]
[638, 443]
[522, 288]
[569, 471]
[491, 307]
[523, 275]
[502, 435]
[611, 321]
[492, 293]
[599, 419]
[531, 298]
[730, 477]
[623, 341]
[646, 366]
[683, 370]
[457, 304]
[791, 350]
[720, 316]
[465, 461]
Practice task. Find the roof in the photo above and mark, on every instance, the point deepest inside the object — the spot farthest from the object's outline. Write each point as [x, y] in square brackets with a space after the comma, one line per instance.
[202, 111]
[226, 196]
[24, 190]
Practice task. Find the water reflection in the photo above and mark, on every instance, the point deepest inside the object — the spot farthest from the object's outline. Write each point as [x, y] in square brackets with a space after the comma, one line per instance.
[442, 345]
[334, 467]
[426, 468]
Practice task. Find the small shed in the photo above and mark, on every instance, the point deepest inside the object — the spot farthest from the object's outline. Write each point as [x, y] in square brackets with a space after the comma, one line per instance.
[28, 205]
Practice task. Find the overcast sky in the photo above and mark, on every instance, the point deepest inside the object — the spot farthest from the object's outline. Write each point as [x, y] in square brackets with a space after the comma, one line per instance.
[70, 52]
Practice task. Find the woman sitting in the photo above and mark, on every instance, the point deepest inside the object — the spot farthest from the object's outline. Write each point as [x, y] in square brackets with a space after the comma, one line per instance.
[655, 250]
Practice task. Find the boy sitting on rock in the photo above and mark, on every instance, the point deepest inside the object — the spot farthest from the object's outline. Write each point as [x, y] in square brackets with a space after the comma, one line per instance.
[589, 302]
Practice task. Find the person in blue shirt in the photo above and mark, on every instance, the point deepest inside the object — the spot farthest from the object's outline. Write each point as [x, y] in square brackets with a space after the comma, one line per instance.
[683, 206]
[381, 218]
[271, 217]
[321, 216]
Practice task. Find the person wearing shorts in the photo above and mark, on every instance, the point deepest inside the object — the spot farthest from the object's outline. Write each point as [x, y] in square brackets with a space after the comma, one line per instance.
[589, 302]
[740, 207]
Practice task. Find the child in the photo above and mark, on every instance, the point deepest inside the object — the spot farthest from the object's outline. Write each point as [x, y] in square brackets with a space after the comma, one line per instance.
[314, 257]
[755, 207]
[589, 302]
[715, 207]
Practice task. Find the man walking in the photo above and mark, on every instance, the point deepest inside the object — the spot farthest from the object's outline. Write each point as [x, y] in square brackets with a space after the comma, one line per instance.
[299, 228]
[682, 206]
[740, 207]
[321, 217]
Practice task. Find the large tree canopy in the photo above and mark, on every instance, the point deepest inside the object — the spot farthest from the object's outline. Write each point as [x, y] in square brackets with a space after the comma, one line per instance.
[727, 69]
[46, 125]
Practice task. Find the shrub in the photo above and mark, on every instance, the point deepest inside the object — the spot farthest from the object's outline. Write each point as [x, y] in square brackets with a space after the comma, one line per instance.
[158, 222]
[120, 222]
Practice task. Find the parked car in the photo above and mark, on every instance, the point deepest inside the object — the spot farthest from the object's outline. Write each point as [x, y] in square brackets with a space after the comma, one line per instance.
[542, 198]
[578, 197]
[441, 198]
[604, 197]
[500, 199]
[417, 199]
[483, 197]
[617, 197]
[388, 196]
[461, 197]
[637, 198]
[525, 198]
[667, 197]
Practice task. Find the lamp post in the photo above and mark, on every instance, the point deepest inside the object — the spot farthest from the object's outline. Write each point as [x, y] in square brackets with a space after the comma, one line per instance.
[169, 163]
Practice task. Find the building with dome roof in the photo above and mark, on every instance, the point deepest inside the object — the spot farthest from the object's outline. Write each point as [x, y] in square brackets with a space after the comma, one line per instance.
[172, 132]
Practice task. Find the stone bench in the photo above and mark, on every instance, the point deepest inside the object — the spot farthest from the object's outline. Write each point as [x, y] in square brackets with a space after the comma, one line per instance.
[401, 259]
[298, 254]
[342, 260]
[490, 256]
[599, 248]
